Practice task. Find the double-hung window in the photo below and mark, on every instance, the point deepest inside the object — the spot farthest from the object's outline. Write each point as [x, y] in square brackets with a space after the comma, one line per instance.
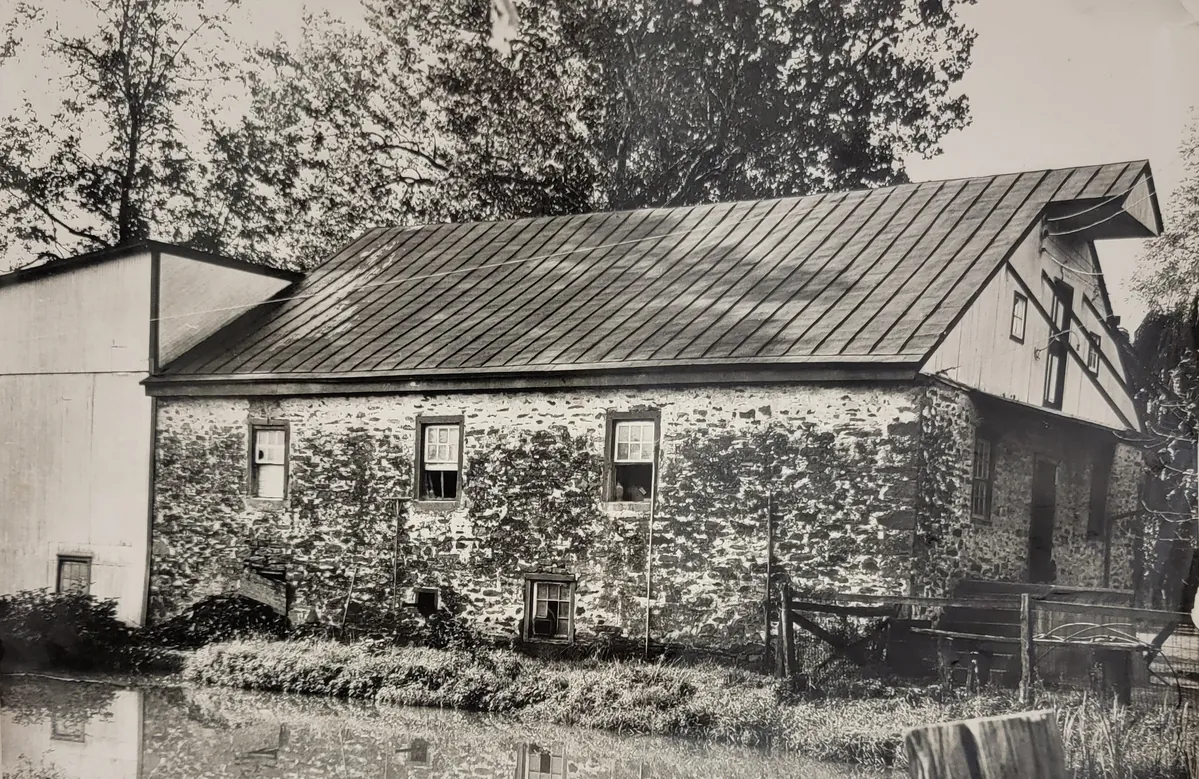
[74, 574]
[549, 606]
[633, 444]
[268, 461]
[440, 459]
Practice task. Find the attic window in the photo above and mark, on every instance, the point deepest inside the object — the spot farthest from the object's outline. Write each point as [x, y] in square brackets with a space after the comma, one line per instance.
[633, 442]
[1019, 317]
[1094, 345]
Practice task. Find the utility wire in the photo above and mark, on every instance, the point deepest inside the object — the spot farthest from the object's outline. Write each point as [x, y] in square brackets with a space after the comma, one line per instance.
[1097, 206]
[1101, 221]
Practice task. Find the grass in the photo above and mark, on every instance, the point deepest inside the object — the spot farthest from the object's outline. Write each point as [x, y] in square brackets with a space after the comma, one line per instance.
[712, 703]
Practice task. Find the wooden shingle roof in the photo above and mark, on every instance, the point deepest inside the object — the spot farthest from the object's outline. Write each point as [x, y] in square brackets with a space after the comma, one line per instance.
[850, 278]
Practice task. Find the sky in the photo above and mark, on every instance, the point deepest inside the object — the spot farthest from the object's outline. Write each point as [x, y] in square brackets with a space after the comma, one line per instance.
[1054, 83]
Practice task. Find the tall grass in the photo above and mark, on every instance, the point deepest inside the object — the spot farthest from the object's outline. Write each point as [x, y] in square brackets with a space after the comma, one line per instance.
[1103, 741]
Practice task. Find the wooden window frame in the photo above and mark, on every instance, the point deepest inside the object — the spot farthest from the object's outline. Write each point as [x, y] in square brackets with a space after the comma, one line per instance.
[635, 415]
[72, 558]
[1094, 352]
[530, 582]
[1019, 301]
[422, 421]
[1061, 323]
[253, 427]
[988, 481]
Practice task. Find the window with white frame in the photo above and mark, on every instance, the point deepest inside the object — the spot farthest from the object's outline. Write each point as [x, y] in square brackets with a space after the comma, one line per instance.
[549, 607]
[74, 574]
[633, 444]
[268, 462]
[1019, 316]
[983, 481]
[540, 763]
[440, 460]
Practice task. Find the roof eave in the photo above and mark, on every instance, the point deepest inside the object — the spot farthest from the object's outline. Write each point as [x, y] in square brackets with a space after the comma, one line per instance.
[903, 368]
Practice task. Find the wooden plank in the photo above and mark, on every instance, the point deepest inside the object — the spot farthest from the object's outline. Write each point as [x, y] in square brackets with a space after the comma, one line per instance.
[850, 650]
[1028, 654]
[1013, 746]
[848, 611]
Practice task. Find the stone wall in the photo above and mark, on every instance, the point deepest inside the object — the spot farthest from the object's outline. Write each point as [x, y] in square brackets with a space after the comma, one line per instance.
[836, 466]
[857, 488]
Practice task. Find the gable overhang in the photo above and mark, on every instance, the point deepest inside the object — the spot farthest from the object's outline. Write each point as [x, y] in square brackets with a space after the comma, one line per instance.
[546, 378]
[79, 261]
[1132, 213]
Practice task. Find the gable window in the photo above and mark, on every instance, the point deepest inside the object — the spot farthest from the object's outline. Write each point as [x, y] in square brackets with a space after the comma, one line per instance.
[1059, 343]
[1019, 317]
[633, 442]
[268, 461]
[440, 458]
[74, 575]
[1094, 345]
[549, 608]
[983, 478]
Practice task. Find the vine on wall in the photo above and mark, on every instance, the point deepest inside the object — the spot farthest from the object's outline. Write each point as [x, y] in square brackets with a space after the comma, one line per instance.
[533, 500]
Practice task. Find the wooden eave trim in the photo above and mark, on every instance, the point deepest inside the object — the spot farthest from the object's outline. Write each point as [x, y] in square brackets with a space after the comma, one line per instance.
[520, 379]
[1045, 315]
[54, 267]
[1023, 406]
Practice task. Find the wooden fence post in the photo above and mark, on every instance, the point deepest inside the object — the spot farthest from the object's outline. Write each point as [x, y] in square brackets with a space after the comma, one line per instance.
[1013, 746]
[1028, 654]
[787, 633]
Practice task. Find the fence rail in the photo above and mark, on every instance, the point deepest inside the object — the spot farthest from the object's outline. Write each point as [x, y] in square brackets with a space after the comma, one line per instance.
[1015, 639]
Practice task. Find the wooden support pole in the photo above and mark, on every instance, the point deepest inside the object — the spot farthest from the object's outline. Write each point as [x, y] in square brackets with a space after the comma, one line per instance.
[1013, 746]
[1028, 656]
[787, 633]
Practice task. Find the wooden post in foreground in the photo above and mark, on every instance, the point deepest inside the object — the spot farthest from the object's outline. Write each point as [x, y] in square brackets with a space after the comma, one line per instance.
[1028, 655]
[787, 634]
[1014, 746]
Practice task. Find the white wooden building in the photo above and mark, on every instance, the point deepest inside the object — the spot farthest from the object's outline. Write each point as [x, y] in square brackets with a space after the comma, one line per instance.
[77, 336]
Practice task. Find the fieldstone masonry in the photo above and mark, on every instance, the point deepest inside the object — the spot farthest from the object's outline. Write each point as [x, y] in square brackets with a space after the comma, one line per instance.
[855, 487]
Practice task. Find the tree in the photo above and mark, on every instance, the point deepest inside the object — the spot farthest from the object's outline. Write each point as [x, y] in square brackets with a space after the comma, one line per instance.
[113, 163]
[611, 104]
[1166, 353]
[1167, 276]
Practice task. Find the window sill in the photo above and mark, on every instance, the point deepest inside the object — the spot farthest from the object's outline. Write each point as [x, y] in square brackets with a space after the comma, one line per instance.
[436, 506]
[627, 506]
[268, 503]
[550, 641]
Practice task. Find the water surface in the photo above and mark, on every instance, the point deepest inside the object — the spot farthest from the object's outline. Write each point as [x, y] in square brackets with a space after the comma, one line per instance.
[86, 730]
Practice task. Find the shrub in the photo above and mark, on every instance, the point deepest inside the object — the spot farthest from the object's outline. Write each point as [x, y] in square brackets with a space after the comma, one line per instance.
[41, 629]
[218, 618]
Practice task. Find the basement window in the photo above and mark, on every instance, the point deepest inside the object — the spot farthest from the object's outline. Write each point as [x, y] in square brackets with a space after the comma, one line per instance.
[418, 752]
[268, 461]
[633, 442]
[1019, 317]
[428, 600]
[982, 483]
[74, 575]
[549, 609]
[440, 459]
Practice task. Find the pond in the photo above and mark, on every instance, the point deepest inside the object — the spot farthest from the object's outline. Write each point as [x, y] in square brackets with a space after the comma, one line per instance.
[88, 730]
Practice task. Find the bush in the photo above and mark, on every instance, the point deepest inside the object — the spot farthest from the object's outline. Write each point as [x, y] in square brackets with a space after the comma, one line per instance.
[42, 629]
[218, 618]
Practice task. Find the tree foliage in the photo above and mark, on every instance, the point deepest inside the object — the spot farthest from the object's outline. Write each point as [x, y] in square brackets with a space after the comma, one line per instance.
[112, 163]
[602, 104]
[1167, 276]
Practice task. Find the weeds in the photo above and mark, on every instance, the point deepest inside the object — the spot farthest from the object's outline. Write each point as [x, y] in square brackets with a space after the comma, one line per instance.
[704, 702]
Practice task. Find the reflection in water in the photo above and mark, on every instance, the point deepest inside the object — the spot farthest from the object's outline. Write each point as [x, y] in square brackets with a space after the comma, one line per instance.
[70, 730]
